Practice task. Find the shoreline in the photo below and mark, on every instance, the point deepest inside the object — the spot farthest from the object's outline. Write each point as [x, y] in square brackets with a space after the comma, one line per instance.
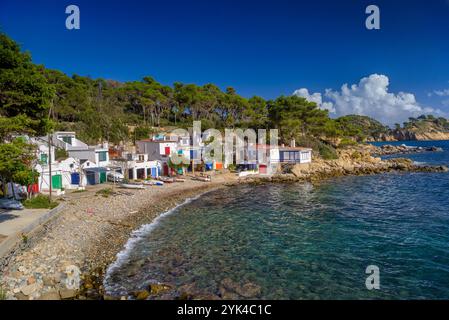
[93, 230]
[88, 234]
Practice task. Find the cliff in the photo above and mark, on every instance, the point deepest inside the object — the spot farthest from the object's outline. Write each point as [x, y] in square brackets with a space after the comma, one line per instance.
[362, 128]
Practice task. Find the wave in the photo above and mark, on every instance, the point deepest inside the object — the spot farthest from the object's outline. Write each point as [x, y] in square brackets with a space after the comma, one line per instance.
[138, 235]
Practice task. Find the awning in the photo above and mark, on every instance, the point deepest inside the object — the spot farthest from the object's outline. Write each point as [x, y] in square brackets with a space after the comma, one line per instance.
[96, 169]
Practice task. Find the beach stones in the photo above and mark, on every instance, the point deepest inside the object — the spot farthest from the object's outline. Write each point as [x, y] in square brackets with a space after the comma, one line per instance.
[230, 289]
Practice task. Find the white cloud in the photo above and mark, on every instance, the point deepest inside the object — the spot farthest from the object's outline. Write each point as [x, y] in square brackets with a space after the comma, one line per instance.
[442, 93]
[371, 97]
[315, 97]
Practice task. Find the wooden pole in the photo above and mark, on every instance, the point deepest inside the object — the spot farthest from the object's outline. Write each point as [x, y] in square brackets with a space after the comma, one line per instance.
[49, 165]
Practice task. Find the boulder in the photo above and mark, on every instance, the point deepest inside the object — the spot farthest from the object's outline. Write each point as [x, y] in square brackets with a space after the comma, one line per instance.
[30, 289]
[50, 295]
[68, 293]
[142, 295]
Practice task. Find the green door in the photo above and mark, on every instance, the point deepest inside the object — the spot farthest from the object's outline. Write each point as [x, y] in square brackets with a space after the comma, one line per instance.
[56, 181]
[102, 177]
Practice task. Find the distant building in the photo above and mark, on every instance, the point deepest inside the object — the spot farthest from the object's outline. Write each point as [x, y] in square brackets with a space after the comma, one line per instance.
[137, 166]
[295, 155]
[159, 150]
[85, 165]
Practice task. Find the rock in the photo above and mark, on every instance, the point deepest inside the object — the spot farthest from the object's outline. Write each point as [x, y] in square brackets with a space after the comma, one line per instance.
[158, 288]
[249, 290]
[142, 295]
[31, 280]
[21, 296]
[48, 281]
[30, 289]
[67, 293]
[228, 295]
[50, 295]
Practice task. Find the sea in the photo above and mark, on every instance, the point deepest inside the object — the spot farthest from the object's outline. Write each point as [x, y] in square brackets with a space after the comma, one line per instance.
[382, 236]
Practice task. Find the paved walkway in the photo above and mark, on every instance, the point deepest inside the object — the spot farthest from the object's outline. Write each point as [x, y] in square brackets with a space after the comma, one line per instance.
[15, 222]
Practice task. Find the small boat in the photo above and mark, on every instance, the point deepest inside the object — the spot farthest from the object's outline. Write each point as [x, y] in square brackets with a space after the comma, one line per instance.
[204, 179]
[10, 204]
[166, 179]
[153, 183]
[132, 186]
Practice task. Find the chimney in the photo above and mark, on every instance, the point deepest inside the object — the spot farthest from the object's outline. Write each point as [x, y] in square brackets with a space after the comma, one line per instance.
[293, 143]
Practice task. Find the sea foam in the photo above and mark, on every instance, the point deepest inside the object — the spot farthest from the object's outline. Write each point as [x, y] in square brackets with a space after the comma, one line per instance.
[136, 236]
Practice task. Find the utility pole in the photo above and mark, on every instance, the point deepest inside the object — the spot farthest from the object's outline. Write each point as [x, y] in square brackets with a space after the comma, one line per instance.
[49, 164]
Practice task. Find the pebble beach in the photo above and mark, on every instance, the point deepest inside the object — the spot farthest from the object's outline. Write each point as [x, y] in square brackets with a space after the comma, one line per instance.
[86, 236]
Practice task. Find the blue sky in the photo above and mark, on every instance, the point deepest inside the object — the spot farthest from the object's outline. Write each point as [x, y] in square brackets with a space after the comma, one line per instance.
[261, 47]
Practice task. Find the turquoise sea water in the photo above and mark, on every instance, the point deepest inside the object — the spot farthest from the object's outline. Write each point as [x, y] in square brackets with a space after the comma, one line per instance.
[298, 241]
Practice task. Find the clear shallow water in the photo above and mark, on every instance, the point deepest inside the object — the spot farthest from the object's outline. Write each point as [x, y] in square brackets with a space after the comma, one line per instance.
[298, 241]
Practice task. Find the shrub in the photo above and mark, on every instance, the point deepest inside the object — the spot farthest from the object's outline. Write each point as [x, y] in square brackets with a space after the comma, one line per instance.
[104, 192]
[356, 155]
[346, 142]
[2, 293]
[40, 202]
[61, 154]
[326, 151]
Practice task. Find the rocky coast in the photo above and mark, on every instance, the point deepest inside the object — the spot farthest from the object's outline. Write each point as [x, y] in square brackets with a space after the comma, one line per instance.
[355, 160]
[85, 237]
[69, 256]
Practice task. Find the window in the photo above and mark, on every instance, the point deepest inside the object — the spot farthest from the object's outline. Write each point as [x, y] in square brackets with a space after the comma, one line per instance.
[102, 156]
[67, 139]
[44, 158]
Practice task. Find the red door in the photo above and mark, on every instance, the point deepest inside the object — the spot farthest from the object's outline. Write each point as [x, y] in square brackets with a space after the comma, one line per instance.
[263, 169]
[165, 169]
[167, 151]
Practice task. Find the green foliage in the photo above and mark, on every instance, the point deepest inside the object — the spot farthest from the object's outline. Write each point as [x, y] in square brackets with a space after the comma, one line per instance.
[106, 192]
[360, 127]
[61, 154]
[356, 155]
[23, 88]
[142, 132]
[104, 110]
[426, 123]
[40, 202]
[325, 150]
[295, 116]
[2, 293]
[16, 162]
[346, 142]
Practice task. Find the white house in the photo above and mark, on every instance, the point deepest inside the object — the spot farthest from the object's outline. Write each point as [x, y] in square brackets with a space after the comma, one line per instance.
[85, 164]
[159, 150]
[295, 155]
[137, 166]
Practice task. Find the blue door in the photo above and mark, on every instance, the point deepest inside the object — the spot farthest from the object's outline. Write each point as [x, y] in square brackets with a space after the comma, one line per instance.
[75, 178]
[154, 172]
[90, 176]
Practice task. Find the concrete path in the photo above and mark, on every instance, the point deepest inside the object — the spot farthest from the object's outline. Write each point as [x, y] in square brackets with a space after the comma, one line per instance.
[14, 223]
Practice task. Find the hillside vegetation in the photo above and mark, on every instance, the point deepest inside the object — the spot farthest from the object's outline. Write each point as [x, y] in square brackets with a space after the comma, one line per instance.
[35, 100]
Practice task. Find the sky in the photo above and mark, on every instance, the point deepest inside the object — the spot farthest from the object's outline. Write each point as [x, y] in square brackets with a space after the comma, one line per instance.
[317, 49]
